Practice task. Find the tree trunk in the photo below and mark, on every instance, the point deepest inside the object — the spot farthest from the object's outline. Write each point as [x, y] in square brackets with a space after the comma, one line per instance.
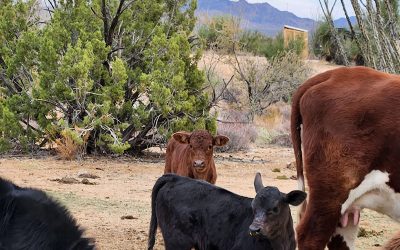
[342, 55]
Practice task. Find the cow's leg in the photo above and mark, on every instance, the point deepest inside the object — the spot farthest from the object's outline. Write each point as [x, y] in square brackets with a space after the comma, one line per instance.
[167, 168]
[174, 235]
[177, 241]
[319, 222]
[344, 238]
[168, 163]
[177, 246]
[346, 233]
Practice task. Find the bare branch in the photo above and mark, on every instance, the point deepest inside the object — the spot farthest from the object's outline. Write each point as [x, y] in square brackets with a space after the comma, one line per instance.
[55, 104]
[95, 13]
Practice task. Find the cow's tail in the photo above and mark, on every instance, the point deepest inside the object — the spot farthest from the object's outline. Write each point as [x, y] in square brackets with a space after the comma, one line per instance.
[295, 129]
[153, 222]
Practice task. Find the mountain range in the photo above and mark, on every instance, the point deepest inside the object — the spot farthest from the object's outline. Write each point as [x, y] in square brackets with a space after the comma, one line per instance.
[342, 22]
[257, 16]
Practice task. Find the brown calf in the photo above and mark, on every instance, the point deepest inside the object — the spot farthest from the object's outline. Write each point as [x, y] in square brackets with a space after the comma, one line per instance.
[351, 152]
[191, 154]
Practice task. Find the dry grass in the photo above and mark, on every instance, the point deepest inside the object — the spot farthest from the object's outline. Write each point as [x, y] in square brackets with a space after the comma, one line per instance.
[67, 148]
[273, 126]
[70, 148]
[238, 128]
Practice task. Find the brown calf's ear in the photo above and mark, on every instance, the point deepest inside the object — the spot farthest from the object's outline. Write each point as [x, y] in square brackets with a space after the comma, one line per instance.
[220, 140]
[295, 198]
[258, 185]
[182, 137]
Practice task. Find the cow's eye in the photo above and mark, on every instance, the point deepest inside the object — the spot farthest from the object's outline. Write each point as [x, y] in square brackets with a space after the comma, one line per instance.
[275, 210]
[209, 147]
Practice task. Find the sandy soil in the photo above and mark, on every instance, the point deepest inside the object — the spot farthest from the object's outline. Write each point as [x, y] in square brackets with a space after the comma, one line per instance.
[318, 66]
[124, 187]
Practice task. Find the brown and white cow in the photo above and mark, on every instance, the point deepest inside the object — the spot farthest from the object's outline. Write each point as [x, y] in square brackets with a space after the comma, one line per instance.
[191, 154]
[350, 121]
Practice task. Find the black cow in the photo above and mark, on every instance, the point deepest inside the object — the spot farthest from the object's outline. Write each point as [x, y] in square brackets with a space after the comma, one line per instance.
[196, 214]
[31, 220]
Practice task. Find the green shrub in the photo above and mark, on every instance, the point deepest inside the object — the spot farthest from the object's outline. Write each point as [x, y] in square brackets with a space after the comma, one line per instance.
[130, 82]
[224, 33]
[323, 45]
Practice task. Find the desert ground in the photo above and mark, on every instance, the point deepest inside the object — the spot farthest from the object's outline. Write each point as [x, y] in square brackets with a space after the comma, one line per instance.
[110, 196]
[115, 209]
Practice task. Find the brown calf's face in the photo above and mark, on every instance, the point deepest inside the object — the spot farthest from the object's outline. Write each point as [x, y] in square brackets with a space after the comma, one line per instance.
[201, 144]
[271, 209]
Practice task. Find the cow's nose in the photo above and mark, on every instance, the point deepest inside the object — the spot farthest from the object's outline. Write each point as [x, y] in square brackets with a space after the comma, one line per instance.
[198, 164]
[253, 231]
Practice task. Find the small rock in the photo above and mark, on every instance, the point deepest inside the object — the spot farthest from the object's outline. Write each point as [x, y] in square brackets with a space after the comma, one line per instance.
[291, 165]
[87, 182]
[282, 177]
[88, 175]
[128, 217]
[66, 180]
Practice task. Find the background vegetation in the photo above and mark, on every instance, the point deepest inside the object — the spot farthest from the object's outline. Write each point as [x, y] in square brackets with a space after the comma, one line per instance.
[107, 76]
[263, 72]
[120, 76]
[215, 31]
[372, 41]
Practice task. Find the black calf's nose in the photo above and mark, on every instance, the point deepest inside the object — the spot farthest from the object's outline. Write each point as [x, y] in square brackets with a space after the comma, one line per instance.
[253, 231]
[198, 164]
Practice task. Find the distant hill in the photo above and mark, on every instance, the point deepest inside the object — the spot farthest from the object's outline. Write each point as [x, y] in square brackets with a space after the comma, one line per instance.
[257, 16]
[342, 22]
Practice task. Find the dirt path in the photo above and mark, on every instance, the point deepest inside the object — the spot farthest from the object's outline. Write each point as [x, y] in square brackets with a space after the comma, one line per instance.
[124, 187]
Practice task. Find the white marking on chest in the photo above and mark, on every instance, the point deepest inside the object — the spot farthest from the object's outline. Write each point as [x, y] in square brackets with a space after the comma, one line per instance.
[374, 193]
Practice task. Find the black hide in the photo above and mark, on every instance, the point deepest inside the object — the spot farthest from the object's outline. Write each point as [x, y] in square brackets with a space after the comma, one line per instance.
[199, 215]
[30, 220]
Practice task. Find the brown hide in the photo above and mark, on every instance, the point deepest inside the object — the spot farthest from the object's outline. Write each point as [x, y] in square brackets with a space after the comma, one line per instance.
[351, 126]
[191, 154]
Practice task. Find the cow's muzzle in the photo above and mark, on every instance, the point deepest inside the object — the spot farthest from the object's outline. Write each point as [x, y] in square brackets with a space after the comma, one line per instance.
[254, 230]
[198, 164]
[257, 225]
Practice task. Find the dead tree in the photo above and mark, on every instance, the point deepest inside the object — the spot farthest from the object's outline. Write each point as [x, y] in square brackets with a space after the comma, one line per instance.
[379, 33]
[341, 52]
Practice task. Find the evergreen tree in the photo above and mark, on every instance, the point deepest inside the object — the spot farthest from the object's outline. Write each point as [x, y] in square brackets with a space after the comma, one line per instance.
[115, 76]
[18, 53]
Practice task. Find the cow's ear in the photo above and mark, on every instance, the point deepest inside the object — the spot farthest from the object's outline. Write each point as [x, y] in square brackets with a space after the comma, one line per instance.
[295, 197]
[220, 140]
[182, 137]
[258, 185]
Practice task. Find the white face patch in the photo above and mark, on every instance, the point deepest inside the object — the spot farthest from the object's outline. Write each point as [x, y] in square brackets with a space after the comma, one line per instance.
[373, 193]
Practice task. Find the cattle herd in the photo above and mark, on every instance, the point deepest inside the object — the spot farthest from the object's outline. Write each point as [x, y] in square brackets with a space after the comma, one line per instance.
[345, 128]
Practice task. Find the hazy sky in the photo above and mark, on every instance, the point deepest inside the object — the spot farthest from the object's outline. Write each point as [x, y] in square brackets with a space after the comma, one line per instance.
[306, 8]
